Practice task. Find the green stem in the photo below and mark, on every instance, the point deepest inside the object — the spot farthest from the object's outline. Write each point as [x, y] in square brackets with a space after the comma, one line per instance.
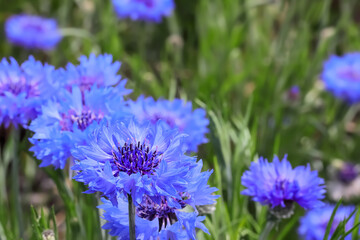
[131, 218]
[73, 225]
[15, 180]
[268, 227]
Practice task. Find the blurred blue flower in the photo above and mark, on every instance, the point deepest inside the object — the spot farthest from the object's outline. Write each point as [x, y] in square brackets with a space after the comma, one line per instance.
[147, 10]
[66, 121]
[94, 70]
[32, 31]
[181, 225]
[279, 185]
[177, 114]
[341, 76]
[23, 89]
[313, 224]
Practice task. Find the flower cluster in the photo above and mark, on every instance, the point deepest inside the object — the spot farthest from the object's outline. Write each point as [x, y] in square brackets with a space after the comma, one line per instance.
[147, 10]
[32, 32]
[341, 76]
[146, 161]
[84, 98]
[278, 185]
[116, 147]
[313, 224]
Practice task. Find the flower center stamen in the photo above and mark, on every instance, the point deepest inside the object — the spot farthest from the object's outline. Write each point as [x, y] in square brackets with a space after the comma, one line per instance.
[82, 120]
[151, 210]
[136, 158]
[147, 3]
[18, 87]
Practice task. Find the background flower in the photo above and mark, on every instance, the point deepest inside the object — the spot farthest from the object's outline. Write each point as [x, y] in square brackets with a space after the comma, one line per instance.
[278, 184]
[344, 181]
[177, 114]
[23, 88]
[341, 76]
[32, 31]
[313, 224]
[148, 10]
[94, 70]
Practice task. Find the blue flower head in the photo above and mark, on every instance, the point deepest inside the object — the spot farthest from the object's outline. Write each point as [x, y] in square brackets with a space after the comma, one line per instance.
[313, 224]
[99, 71]
[67, 121]
[132, 158]
[279, 185]
[32, 32]
[341, 76]
[152, 221]
[147, 10]
[177, 114]
[140, 158]
[23, 90]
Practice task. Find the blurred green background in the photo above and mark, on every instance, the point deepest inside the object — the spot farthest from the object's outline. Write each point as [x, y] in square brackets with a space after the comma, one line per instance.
[235, 58]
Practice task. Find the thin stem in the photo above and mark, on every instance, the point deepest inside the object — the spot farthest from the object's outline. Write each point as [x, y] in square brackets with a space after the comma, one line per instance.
[131, 218]
[15, 180]
[268, 227]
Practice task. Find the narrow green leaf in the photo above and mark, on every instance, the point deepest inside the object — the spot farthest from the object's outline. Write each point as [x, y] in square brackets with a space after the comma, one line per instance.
[328, 227]
[351, 230]
[35, 224]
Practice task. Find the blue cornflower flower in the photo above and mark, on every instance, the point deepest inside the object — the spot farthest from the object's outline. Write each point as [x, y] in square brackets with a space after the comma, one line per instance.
[132, 158]
[147, 10]
[279, 185]
[23, 89]
[313, 224]
[198, 192]
[67, 120]
[32, 31]
[94, 70]
[152, 220]
[341, 76]
[177, 114]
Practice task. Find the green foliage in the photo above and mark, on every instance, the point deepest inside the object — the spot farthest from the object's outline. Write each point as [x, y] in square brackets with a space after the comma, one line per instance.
[340, 231]
[44, 228]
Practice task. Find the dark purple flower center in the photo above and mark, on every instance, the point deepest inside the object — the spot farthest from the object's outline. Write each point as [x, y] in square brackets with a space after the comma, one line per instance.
[150, 210]
[158, 116]
[347, 173]
[34, 26]
[293, 93]
[281, 185]
[82, 120]
[85, 83]
[285, 189]
[18, 87]
[147, 3]
[136, 158]
[350, 74]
